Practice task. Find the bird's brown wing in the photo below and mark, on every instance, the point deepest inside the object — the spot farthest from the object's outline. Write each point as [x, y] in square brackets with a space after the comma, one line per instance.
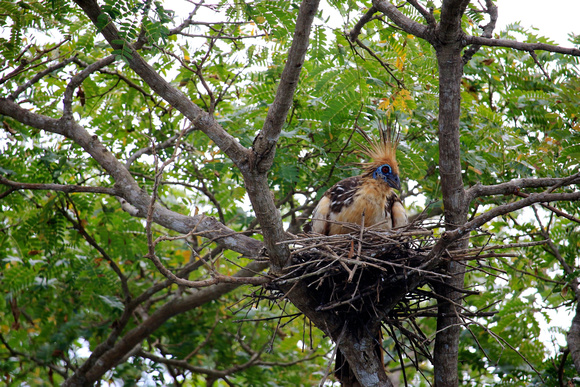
[395, 211]
[338, 197]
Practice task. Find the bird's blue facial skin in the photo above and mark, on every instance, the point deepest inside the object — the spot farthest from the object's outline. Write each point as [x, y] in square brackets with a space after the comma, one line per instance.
[385, 172]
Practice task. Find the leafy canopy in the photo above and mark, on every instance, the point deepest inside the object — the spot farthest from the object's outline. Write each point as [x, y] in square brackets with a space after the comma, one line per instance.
[71, 260]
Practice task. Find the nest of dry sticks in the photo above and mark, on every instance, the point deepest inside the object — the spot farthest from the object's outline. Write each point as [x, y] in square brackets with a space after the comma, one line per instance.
[385, 276]
[352, 274]
[373, 274]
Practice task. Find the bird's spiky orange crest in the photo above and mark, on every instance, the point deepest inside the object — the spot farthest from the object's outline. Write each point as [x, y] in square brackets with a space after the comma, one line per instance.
[381, 151]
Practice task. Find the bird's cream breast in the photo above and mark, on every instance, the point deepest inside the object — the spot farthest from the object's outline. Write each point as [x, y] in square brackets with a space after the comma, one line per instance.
[370, 200]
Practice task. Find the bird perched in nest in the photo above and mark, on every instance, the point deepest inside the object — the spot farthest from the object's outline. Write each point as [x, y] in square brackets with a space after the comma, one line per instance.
[368, 199]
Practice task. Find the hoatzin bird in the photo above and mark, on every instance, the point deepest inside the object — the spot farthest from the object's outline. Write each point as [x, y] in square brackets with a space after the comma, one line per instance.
[368, 199]
[370, 195]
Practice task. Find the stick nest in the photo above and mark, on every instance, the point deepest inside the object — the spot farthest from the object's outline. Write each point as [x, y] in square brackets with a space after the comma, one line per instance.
[353, 273]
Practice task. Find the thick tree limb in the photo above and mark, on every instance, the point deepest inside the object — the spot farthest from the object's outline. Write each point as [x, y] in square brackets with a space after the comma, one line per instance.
[263, 149]
[265, 143]
[449, 29]
[573, 338]
[448, 46]
[368, 367]
[126, 187]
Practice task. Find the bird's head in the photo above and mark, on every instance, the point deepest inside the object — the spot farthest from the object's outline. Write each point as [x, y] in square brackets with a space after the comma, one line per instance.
[383, 154]
[386, 173]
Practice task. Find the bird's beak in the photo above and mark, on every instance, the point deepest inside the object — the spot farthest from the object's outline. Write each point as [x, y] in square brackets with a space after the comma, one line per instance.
[394, 182]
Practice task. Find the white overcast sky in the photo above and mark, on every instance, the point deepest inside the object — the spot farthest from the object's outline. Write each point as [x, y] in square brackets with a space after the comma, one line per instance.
[554, 18]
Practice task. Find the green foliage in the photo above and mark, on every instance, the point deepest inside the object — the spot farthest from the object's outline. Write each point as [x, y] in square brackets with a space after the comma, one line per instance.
[61, 294]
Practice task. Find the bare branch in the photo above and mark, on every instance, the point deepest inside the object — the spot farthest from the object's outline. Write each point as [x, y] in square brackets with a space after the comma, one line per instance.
[451, 236]
[401, 20]
[482, 41]
[513, 186]
[224, 37]
[187, 22]
[386, 66]
[171, 141]
[429, 18]
[265, 141]
[552, 208]
[535, 57]
[39, 76]
[58, 187]
[216, 278]
[24, 62]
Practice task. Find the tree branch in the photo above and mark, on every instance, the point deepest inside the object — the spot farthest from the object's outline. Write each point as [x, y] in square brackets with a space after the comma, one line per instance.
[265, 142]
[552, 208]
[367, 17]
[96, 366]
[449, 28]
[24, 62]
[78, 79]
[39, 76]
[216, 278]
[67, 188]
[402, 21]
[127, 188]
[573, 337]
[426, 14]
[490, 9]
[513, 186]
[385, 65]
[482, 41]
[77, 224]
[263, 149]
[451, 236]
[202, 120]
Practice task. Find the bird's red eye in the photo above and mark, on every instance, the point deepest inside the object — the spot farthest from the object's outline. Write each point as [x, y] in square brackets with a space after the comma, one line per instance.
[385, 169]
